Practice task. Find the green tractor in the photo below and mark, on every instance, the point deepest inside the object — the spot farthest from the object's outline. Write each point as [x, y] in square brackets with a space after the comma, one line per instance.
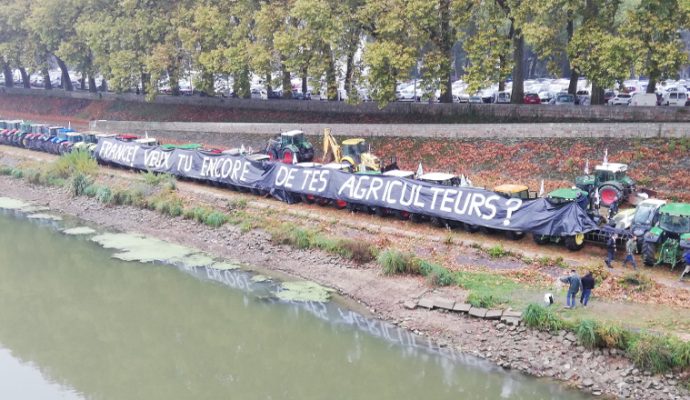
[290, 148]
[664, 243]
[563, 196]
[612, 182]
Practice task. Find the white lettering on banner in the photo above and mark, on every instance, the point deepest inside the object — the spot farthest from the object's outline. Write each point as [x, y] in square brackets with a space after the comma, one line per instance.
[105, 147]
[349, 184]
[376, 185]
[359, 191]
[236, 170]
[306, 173]
[157, 159]
[476, 201]
[245, 171]
[447, 199]
[122, 153]
[187, 160]
[489, 204]
[281, 176]
[390, 200]
[402, 195]
[513, 205]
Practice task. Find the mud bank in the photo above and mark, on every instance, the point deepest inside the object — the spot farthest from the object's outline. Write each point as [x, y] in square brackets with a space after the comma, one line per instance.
[556, 356]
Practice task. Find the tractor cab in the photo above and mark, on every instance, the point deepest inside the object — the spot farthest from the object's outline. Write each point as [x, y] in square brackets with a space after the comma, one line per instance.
[74, 138]
[398, 173]
[354, 148]
[292, 138]
[663, 243]
[568, 195]
[612, 182]
[646, 216]
[290, 147]
[515, 192]
[88, 139]
[147, 141]
[39, 129]
[441, 178]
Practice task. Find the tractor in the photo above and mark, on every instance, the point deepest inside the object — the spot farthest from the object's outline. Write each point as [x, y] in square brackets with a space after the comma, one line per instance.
[10, 129]
[19, 136]
[32, 139]
[611, 181]
[290, 148]
[663, 243]
[89, 141]
[68, 145]
[354, 152]
[513, 191]
[559, 197]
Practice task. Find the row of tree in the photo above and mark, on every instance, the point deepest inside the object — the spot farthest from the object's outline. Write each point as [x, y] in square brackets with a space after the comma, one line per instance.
[137, 43]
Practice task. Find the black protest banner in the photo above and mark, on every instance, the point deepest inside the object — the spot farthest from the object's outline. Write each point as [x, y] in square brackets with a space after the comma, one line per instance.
[472, 206]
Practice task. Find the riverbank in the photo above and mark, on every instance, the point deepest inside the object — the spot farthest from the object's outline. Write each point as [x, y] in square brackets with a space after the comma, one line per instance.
[540, 354]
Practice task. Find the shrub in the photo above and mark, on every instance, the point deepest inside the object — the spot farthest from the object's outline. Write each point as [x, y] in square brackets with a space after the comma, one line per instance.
[17, 173]
[637, 281]
[613, 336]
[79, 184]
[167, 181]
[356, 250]
[681, 353]
[396, 262]
[72, 163]
[4, 170]
[33, 176]
[91, 190]
[542, 318]
[104, 195]
[485, 299]
[237, 204]
[653, 353]
[497, 251]
[215, 219]
[436, 275]
[586, 332]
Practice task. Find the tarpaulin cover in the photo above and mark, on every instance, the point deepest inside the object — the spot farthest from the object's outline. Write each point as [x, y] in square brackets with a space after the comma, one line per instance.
[472, 206]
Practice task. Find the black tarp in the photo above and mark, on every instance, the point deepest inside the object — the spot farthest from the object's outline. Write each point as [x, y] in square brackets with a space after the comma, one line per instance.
[473, 206]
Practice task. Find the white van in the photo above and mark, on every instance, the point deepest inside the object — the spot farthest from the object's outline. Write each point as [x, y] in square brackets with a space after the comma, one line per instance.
[675, 99]
[643, 99]
[503, 97]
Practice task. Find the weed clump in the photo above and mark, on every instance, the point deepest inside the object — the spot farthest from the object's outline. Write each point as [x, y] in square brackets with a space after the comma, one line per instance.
[544, 319]
[396, 262]
[435, 274]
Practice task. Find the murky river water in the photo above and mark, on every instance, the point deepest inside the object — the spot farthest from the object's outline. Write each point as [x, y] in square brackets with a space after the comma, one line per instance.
[77, 324]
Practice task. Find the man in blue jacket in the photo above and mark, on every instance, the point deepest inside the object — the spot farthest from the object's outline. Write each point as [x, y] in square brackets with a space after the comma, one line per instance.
[611, 249]
[574, 282]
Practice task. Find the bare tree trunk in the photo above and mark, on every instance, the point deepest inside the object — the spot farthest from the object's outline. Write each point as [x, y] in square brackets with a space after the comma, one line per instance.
[518, 93]
[92, 84]
[82, 82]
[7, 71]
[47, 85]
[269, 89]
[446, 47]
[331, 84]
[574, 74]
[286, 79]
[651, 87]
[304, 80]
[65, 79]
[174, 77]
[349, 71]
[597, 95]
[26, 80]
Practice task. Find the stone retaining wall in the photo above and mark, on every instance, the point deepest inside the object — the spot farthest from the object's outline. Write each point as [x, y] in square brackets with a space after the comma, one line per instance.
[421, 112]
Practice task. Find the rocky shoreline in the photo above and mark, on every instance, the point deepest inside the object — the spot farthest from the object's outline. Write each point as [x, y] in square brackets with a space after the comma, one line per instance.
[556, 356]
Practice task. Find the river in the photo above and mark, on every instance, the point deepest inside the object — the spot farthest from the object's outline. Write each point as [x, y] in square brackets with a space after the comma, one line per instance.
[78, 324]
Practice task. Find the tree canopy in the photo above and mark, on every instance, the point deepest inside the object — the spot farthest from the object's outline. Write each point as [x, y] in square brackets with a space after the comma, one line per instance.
[375, 44]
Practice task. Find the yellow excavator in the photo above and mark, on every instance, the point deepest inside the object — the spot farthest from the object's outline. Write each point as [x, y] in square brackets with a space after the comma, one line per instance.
[353, 152]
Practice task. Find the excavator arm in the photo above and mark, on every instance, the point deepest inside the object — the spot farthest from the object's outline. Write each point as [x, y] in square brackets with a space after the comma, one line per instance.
[330, 147]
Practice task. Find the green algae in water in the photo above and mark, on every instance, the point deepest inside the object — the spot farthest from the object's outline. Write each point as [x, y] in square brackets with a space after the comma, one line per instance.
[49, 217]
[194, 260]
[140, 248]
[224, 266]
[260, 278]
[304, 291]
[81, 230]
[11, 204]
[34, 209]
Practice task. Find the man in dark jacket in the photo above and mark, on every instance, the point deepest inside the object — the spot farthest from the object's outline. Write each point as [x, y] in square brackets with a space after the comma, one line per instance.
[686, 271]
[574, 282]
[587, 286]
[611, 249]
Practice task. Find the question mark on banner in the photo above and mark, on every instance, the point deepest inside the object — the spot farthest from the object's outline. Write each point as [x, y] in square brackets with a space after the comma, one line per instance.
[513, 205]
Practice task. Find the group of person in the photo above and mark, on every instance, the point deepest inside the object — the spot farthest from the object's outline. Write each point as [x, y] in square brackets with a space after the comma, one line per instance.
[585, 284]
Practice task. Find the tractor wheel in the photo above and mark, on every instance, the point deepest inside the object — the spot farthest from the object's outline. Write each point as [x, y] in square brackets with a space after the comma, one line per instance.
[437, 222]
[472, 228]
[416, 218]
[307, 199]
[610, 193]
[402, 215]
[340, 204]
[540, 239]
[575, 242]
[289, 157]
[649, 253]
[513, 235]
[380, 211]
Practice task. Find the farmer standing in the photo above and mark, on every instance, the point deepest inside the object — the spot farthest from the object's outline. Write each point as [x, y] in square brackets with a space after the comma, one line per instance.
[587, 286]
[575, 283]
[630, 247]
[686, 258]
[611, 249]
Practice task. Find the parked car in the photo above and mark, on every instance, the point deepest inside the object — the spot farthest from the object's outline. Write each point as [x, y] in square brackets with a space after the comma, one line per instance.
[531, 98]
[643, 99]
[608, 95]
[563, 99]
[621, 99]
[675, 99]
[297, 95]
[545, 97]
[475, 99]
[502, 97]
